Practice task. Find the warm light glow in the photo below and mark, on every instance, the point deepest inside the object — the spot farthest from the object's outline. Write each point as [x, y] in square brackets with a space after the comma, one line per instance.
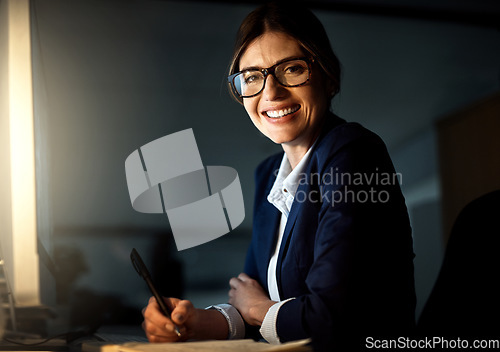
[22, 154]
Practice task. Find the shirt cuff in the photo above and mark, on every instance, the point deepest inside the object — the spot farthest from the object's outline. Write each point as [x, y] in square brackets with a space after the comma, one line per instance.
[268, 327]
[234, 320]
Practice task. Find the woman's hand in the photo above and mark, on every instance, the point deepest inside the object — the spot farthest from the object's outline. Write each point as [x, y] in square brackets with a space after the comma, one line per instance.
[159, 328]
[249, 298]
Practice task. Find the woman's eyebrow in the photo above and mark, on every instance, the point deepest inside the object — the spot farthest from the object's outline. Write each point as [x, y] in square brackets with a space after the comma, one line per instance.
[276, 63]
[251, 68]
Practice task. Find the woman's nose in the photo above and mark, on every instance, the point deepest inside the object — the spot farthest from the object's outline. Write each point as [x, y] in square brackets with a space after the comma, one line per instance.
[272, 89]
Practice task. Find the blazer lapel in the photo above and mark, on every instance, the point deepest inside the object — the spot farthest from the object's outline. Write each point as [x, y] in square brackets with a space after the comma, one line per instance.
[290, 223]
[297, 205]
[268, 228]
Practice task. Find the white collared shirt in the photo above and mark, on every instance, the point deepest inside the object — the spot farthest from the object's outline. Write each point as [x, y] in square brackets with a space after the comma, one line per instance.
[281, 196]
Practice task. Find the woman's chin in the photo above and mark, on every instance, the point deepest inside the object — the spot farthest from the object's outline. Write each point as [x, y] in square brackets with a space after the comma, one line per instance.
[281, 138]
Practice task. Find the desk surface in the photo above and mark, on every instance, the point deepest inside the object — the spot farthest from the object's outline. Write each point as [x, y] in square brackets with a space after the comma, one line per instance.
[90, 343]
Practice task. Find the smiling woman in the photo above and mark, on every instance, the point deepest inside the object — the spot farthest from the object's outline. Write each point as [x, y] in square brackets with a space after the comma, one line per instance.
[326, 261]
[290, 116]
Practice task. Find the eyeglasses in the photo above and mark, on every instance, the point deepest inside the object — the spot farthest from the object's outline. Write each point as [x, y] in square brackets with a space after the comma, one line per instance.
[289, 73]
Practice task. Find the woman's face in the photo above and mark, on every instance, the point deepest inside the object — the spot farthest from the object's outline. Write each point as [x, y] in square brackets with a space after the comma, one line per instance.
[297, 112]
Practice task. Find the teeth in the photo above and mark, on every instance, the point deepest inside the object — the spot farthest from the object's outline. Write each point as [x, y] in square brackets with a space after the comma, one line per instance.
[280, 113]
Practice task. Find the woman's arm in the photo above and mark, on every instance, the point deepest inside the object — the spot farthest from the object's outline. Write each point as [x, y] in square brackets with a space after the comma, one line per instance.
[351, 253]
[248, 296]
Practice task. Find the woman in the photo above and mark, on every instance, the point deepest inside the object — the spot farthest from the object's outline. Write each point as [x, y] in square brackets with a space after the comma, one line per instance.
[331, 253]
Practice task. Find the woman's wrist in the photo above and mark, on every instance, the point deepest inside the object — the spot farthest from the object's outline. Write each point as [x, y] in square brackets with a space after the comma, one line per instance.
[210, 325]
[259, 311]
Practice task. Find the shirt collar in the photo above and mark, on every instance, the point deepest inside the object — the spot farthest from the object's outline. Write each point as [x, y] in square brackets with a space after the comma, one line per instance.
[287, 181]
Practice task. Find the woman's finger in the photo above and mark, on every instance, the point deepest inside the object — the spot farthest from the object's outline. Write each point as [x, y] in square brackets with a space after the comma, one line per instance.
[156, 330]
[181, 312]
[244, 277]
[234, 282]
[166, 333]
[157, 326]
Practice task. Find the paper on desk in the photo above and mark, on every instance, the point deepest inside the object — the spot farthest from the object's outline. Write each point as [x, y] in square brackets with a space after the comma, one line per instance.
[216, 346]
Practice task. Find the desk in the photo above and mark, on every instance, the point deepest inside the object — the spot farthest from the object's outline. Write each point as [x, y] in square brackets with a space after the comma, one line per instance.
[200, 346]
[91, 344]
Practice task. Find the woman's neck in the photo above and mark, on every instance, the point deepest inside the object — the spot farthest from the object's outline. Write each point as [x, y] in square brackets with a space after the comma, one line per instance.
[294, 153]
[295, 150]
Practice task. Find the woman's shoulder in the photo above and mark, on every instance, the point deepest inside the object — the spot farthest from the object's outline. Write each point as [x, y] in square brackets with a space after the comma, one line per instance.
[343, 140]
[338, 132]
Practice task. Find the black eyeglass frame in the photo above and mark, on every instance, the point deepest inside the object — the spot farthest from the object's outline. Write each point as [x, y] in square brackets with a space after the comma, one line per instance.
[271, 71]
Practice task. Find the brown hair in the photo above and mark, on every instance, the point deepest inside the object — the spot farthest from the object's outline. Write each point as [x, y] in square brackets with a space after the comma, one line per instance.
[298, 22]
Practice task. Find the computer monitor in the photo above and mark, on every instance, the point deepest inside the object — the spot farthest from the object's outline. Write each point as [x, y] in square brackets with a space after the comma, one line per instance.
[25, 232]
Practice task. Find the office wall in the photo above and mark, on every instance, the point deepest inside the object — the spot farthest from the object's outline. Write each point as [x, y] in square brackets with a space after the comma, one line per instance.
[117, 75]
[417, 161]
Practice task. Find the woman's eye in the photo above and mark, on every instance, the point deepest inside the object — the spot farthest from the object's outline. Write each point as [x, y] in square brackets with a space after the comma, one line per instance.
[251, 79]
[294, 69]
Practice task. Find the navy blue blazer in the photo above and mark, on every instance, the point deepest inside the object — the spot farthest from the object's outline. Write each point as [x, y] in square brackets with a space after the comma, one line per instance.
[346, 254]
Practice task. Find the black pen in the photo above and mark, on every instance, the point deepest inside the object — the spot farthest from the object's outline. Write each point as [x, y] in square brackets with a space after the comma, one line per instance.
[143, 271]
